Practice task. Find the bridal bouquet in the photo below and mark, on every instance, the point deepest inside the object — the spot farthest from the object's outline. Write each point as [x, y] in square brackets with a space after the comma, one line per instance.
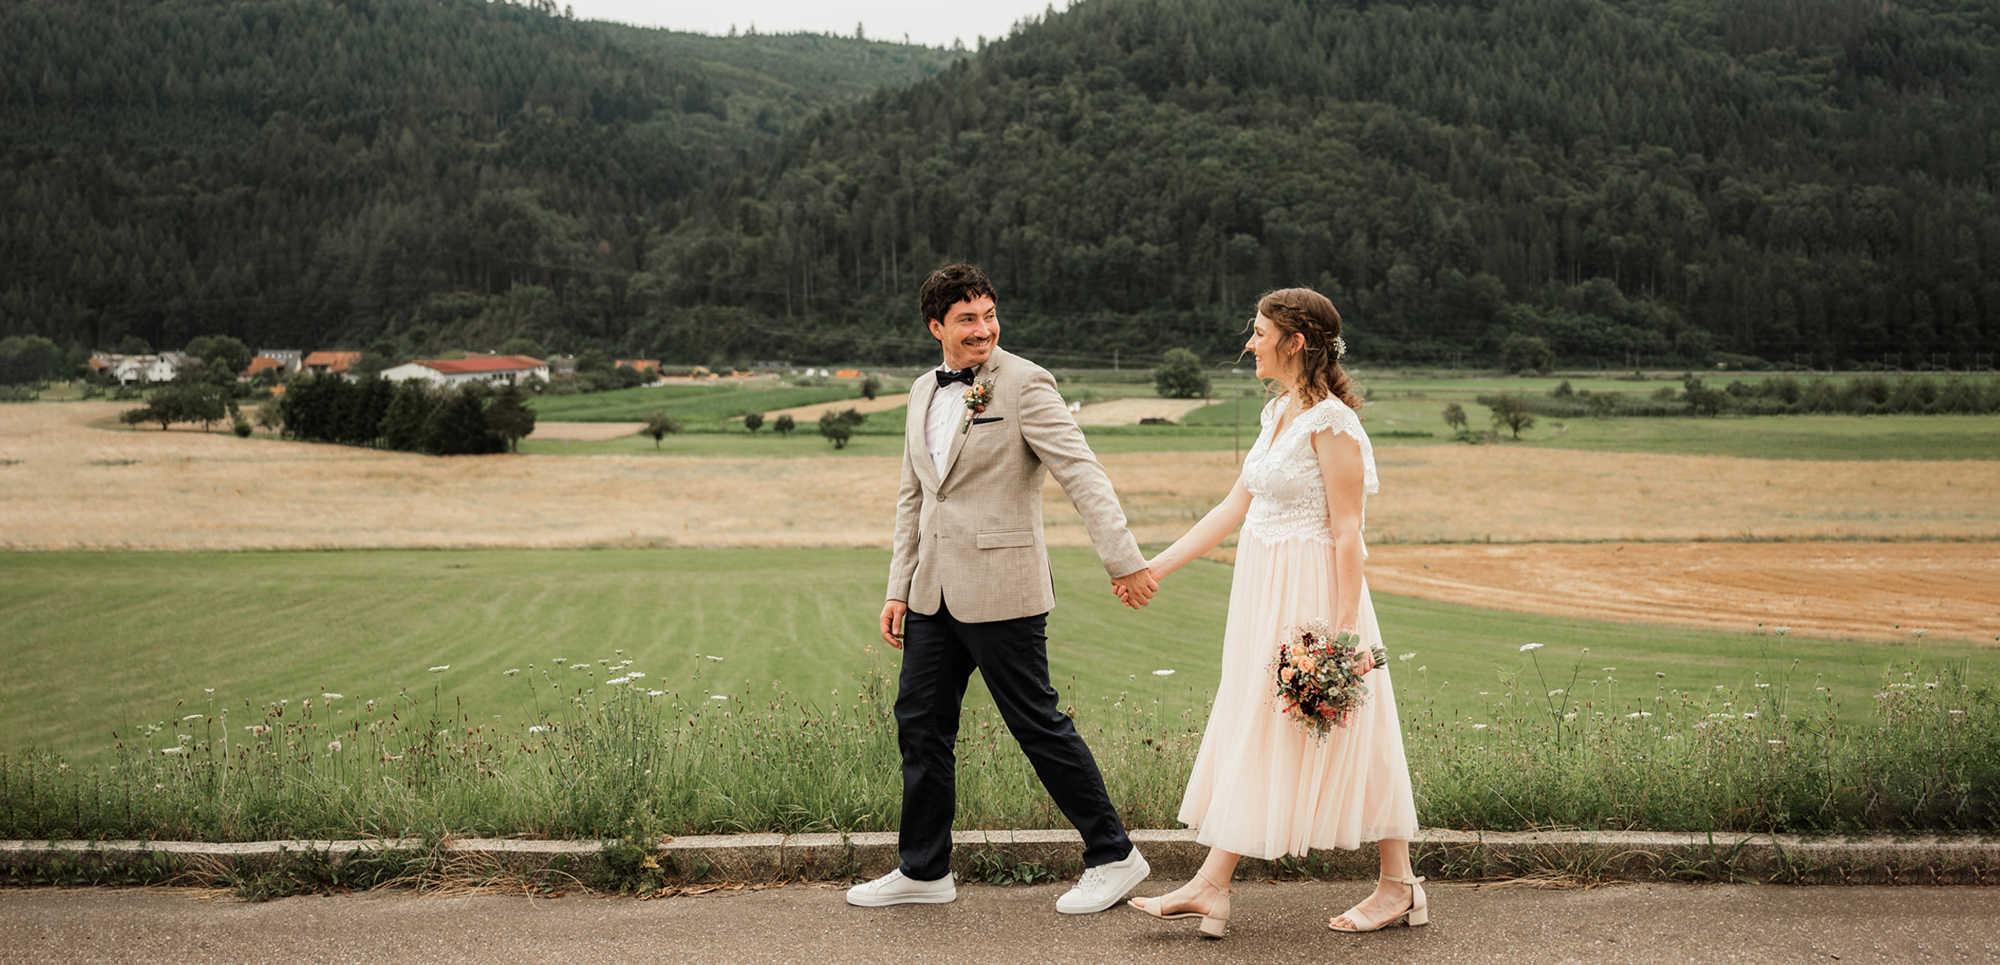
[1316, 676]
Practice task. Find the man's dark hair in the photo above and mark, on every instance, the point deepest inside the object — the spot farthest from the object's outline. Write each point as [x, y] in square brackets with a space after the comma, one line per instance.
[950, 285]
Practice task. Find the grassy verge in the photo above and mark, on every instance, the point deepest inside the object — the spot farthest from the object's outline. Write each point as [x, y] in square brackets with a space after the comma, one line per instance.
[772, 693]
[604, 756]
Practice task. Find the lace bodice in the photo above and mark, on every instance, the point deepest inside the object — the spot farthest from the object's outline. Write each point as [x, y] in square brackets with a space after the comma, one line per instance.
[1287, 496]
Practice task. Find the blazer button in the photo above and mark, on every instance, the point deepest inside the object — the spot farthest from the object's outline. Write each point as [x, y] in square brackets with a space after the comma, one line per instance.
[941, 497]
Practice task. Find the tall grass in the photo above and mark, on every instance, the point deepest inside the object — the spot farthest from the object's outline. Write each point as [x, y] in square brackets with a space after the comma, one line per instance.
[607, 754]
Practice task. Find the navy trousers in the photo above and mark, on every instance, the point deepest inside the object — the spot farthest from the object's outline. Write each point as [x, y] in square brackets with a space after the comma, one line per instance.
[939, 656]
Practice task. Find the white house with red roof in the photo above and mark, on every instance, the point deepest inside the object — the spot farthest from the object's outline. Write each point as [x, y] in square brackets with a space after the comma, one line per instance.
[473, 368]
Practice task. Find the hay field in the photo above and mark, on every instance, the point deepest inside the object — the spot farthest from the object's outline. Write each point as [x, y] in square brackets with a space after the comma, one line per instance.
[67, 486]
[1846, 590]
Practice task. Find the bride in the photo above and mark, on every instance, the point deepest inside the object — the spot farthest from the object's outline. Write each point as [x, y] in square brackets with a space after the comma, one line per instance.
[1261, 786]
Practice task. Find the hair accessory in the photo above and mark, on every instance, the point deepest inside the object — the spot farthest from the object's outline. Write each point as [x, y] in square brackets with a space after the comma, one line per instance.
[1339, 348]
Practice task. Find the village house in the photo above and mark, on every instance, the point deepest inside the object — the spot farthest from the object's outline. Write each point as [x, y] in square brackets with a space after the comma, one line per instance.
[336, 363]
[285, 360]
[139, 369]
[476, 368]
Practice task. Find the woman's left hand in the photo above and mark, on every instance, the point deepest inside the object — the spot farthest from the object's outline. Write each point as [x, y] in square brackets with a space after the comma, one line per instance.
[1364, 659]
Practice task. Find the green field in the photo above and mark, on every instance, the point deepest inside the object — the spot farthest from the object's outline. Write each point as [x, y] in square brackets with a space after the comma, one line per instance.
[111, 642]
[696, 407]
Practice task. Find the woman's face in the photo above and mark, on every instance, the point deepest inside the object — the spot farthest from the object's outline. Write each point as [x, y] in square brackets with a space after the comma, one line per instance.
[1272, 361]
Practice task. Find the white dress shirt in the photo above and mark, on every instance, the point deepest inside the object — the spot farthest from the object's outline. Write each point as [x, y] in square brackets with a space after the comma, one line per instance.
[941, 422]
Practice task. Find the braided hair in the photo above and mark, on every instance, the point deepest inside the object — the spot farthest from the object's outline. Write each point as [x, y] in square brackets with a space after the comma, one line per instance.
[1309, 313]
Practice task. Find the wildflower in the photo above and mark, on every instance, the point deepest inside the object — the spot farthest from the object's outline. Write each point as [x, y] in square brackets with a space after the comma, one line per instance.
[656, 693]
[1422, 669]
[1570, 716]
[196, 716]
[441, 668]
[1954, 712]
[1763, 686]
[1750, 716]
[1586, 650]
[1529, 647]
[510, 673]
[1882, 696]
[1929, 686]
[1638, 716]
[1660, 674]
[1919, 634]
[1720, 687]
[1774, 742]
[333, 747]
[173, 750]
[559, 660]
[208, 690]
[538, 729]
[331, 696]
[726, 696]
[371, 705]
[1784, 630]
[258, 730]
[1405, 657]
[1163, 673]
[635, 675]
[1609, 669]
[710, 656]
[1556, 692]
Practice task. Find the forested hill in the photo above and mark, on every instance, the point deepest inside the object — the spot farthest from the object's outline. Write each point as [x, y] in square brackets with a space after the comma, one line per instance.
[296, 172]
[1627, 180]
[1578, 181]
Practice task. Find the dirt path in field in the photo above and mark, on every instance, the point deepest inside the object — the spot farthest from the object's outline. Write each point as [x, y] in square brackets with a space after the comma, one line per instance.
[67, 486]
[583, 431]
[1128, 412]
[811, 413]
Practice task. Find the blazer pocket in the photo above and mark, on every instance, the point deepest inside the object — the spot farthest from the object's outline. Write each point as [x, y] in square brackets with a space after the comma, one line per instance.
[1015, 537]
[991, 418]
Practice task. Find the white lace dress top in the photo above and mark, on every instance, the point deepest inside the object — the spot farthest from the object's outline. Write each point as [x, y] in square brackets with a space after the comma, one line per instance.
[1287, 496]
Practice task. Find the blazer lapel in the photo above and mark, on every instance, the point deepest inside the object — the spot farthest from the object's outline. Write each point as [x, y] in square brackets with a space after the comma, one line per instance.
[914, 427]
[958, 438]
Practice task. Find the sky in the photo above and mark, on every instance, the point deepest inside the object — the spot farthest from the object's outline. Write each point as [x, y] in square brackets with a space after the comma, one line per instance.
[928, 22]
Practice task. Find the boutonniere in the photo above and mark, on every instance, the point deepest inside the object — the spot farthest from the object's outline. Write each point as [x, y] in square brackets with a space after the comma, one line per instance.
[977, 398]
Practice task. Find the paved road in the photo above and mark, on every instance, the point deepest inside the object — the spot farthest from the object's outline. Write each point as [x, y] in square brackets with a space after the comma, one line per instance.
[1637, 923]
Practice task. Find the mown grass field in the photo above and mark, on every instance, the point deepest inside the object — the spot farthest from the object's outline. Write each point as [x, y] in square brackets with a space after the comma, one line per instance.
[696, 407]
[102, 642]
[1406, 409]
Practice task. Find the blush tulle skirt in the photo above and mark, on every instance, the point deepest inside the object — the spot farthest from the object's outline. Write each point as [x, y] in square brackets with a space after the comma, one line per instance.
[1262, 787]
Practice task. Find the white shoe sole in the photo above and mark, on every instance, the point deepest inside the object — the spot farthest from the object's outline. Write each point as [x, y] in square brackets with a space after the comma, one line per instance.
[884, 901]
[1133, 876]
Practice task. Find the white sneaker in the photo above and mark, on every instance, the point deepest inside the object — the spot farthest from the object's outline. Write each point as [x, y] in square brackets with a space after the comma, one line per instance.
[1102, 886]
[895, 889]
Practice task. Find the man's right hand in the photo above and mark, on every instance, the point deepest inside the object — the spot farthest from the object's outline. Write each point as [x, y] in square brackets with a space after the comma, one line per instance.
[1136, 589]
[893, 613]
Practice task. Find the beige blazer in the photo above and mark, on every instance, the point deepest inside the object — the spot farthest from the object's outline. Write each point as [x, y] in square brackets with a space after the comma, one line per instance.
[972, 540]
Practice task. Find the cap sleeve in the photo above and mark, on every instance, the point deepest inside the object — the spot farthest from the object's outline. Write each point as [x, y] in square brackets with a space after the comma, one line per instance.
[1333, 415]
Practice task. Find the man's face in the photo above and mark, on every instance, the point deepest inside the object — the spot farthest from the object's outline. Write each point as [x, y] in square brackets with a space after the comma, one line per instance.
[968, 332]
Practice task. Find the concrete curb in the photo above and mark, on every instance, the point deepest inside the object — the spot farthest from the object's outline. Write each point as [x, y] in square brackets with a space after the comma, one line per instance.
[1174, 856]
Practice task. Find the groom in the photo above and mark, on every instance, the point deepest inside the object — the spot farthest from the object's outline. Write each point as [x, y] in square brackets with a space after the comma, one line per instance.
[969, 586]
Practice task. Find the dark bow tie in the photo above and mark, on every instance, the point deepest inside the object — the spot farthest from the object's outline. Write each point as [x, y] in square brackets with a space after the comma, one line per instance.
[946, 376]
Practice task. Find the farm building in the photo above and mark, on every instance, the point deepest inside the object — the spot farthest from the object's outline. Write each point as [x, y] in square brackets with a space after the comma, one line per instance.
[478, 368]
[139, 369]
[321, 363]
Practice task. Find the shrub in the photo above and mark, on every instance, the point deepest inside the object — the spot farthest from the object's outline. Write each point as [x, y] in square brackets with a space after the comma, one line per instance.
[836, 428]
[1180, 375]
[658, 425]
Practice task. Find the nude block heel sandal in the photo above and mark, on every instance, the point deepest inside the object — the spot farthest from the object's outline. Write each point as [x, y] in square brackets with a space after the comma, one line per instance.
[1215, 924]
[1419, 912]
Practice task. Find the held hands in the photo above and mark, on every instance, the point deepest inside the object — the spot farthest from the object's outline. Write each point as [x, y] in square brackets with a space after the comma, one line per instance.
[1136, 589]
